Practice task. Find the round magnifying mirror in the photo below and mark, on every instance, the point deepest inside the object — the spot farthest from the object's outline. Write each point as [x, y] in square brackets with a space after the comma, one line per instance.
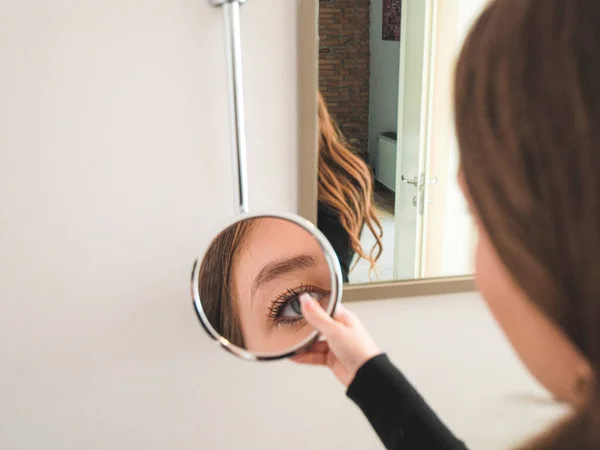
[247, 286]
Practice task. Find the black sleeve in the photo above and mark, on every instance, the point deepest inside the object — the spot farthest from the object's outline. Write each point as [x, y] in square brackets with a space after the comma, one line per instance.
[329, 223]
[397, 412]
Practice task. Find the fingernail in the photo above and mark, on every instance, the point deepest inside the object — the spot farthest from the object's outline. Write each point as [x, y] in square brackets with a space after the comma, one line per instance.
[306, 300]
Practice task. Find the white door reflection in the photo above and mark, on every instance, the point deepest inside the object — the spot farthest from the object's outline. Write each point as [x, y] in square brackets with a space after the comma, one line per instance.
[440, 241]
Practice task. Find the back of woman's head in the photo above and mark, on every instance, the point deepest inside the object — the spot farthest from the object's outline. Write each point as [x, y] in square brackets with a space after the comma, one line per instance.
[345, 185]
[528, 124]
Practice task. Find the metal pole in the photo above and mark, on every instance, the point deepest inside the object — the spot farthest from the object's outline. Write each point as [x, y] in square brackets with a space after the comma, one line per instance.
[231, 13]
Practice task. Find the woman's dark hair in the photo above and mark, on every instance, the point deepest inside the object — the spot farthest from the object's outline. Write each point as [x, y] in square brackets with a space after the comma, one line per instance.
[527, 106]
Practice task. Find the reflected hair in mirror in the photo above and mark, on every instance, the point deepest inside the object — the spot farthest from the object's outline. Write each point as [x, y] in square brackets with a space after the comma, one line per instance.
[215, 288]
[345, 186]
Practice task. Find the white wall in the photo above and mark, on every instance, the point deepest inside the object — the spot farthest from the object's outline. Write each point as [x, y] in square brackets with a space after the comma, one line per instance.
[114, 172]
[385, 66]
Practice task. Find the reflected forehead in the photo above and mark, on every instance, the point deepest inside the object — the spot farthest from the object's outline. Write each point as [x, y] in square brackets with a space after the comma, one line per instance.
[280, 247]
[273, 240]
[281, 237]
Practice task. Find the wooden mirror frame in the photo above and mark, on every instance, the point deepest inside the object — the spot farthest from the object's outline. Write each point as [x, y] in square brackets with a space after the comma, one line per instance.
[308, 85]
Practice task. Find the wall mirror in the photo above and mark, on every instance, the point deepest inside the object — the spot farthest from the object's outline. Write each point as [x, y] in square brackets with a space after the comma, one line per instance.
[383, 77]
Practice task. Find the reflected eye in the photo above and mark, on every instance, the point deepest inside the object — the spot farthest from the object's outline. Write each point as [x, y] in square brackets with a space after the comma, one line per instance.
[286, 309]
[293, 307]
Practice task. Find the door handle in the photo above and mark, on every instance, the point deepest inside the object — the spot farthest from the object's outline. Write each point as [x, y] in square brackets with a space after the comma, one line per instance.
[414, 181]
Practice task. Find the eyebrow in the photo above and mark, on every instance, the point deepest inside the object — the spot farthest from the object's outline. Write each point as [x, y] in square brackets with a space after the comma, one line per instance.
[281, 267]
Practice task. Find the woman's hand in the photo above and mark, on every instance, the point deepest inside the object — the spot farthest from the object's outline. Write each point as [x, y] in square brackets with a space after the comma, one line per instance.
[347, 346]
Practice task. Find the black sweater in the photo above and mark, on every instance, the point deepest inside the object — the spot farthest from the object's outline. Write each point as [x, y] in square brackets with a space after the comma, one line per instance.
[399, 415]
[328, 221]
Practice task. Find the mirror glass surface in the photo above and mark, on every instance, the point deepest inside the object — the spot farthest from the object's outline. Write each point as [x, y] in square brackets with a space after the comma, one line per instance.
[247, 286]
[386, 132]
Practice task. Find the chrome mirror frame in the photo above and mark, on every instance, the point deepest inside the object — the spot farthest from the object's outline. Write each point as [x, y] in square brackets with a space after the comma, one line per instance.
[335, 296]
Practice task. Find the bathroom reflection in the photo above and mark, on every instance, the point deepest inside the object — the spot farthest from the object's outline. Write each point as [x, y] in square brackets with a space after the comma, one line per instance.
[251, 278]
[388, 198]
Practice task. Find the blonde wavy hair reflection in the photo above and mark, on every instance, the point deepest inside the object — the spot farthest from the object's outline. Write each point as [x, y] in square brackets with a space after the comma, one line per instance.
[345, 185]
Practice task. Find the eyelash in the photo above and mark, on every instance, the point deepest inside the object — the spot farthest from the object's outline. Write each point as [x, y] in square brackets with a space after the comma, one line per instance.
[282, 300]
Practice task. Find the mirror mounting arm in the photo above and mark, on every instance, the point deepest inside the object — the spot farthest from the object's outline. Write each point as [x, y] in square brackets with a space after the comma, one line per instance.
[231, 13]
